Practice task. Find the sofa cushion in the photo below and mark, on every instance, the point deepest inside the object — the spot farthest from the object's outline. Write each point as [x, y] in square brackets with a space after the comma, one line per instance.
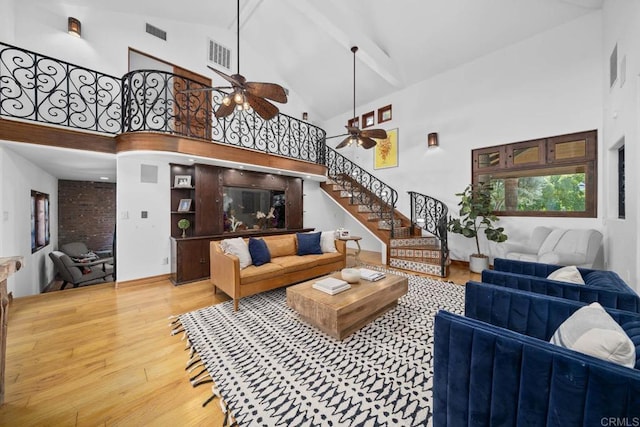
[293, 263]
[591, 330]
[238, 247]
[259, 252]
[632, 329]
[604, 280]
[324, 259]
[569, 274]
[328, 242]
[254, 274]
[281, 245]
[308, 243]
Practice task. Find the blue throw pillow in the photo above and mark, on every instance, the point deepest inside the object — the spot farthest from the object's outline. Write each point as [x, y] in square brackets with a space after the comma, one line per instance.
[259, 251]
[309, 243]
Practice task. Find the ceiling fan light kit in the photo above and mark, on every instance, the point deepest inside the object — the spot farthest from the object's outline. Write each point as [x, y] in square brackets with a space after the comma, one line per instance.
[361, 138]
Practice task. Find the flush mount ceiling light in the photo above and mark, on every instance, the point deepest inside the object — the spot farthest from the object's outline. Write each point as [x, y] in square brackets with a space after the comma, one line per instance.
[362, 138]
[73, 27]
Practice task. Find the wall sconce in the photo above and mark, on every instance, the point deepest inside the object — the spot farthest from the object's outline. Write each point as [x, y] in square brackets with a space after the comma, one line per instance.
[432, 140]
[305, 116]
[74, 27]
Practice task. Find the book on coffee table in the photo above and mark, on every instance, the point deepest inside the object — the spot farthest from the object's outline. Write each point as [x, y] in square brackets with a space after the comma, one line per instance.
[331, 285]
[371, 275]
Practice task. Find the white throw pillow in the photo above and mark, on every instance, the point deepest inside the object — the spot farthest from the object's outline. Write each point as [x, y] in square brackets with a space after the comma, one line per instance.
[327, 241]
[567, 274]
[591, 330]
[239, 248]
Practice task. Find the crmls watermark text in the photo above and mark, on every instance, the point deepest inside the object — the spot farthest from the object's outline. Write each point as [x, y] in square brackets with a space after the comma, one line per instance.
[620, 422]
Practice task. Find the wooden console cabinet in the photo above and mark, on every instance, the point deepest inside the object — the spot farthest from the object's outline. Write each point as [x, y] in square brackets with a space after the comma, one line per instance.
[190, 255]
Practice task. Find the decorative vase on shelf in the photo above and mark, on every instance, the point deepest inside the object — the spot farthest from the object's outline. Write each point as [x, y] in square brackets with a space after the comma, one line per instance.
[183, 224]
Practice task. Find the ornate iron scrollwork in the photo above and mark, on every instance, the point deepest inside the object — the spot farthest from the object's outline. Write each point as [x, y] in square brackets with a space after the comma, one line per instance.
[43, 89]
[431, 215]
[365, 189]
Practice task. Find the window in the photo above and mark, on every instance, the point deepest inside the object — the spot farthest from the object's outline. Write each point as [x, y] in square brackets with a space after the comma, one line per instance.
[553, 176]
[621, 177]
[39, 220]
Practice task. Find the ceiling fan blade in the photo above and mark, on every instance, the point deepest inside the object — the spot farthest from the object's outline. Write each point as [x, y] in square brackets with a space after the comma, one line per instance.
[264, 108]
[353, 130]
[344, 142]
[367, 143]
[224, 110]
[374, 133]
[337, 136]
[230, 79]
[271, 91]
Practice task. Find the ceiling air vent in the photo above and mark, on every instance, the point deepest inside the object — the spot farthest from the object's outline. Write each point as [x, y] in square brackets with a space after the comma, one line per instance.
[218, 54]
[157, 32]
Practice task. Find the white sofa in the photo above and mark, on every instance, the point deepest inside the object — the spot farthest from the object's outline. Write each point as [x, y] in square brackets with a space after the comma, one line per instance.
[579, 247]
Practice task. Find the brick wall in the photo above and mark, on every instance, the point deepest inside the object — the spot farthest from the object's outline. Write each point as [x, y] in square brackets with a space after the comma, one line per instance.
[86, 213]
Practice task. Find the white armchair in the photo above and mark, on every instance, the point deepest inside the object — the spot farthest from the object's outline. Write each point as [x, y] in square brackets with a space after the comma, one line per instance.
[579, 247]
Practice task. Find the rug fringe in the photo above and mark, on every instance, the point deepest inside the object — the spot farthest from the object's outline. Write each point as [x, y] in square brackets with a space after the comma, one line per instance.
[204, 379]
[228, 418]
[193, 360]
[196, 366]
[198, 374]
[177, 330]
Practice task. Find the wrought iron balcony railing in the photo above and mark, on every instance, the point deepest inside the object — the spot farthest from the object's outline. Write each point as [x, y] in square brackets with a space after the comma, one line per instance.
[43, 89]
[163, 102]
[431, 215]
[365, 189]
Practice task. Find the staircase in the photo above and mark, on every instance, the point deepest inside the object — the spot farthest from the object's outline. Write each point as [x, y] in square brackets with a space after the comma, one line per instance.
[372, 203]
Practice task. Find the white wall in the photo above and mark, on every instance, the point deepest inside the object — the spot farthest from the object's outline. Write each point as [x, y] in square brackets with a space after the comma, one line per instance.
[19, 177]
[104, 46]
[547, 85]
[621, 112]
[7, 21]
[323, 213]
[142, 244]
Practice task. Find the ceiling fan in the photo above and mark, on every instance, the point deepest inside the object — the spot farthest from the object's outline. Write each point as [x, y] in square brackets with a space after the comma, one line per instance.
[365, 138]
[246, 94]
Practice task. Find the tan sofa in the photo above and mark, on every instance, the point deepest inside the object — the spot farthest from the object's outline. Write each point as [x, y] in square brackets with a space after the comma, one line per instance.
[285, 268]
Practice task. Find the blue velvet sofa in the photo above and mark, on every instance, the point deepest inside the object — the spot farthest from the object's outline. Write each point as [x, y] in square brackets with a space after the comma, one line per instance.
[605, 287]
[497, 368]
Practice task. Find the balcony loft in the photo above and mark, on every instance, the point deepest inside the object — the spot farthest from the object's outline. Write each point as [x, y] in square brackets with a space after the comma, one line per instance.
[54, 103]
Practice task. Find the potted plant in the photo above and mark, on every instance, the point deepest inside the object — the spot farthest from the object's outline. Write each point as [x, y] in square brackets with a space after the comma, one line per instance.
[476, 214]
[183, 224]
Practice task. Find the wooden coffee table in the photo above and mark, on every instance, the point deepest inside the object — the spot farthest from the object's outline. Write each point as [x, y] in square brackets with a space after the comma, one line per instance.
[342, 314]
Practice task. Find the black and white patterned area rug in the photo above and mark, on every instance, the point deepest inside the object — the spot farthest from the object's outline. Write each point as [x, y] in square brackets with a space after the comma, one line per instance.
[270, 368]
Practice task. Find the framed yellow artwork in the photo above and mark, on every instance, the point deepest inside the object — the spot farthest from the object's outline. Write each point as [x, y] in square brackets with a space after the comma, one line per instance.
[386, 151]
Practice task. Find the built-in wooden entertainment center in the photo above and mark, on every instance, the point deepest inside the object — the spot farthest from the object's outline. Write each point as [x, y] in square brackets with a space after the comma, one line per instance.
[225, 203]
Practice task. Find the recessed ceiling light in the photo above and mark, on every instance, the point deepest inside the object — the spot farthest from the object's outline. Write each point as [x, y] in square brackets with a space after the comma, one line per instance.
[191, 160]
[241, 166]
[104, 178]
[308, 176]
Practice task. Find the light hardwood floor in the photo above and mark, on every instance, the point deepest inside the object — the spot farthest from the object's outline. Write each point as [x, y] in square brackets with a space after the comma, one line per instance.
[104, 356]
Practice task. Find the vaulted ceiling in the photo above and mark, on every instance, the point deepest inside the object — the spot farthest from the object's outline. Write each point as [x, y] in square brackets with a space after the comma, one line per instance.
[307, 42]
